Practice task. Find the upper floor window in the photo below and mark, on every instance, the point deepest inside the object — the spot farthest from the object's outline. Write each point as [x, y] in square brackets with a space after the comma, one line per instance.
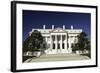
[58, 37]
[53, 37]
[63, 37]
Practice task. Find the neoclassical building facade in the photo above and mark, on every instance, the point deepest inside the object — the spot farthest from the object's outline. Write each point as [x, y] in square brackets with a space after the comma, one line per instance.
[59, 40]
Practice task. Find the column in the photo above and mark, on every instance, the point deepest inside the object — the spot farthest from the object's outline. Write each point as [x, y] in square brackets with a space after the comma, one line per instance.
[46, 38]
[65, 43]
[51, 42]
[46, 41]
[56, 43]
[69, 49]
[61, 43]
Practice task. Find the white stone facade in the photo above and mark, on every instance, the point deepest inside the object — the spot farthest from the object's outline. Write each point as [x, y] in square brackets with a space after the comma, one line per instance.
[59, 40]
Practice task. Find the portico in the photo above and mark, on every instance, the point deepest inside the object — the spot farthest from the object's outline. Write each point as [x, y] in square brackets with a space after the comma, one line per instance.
[59, 42]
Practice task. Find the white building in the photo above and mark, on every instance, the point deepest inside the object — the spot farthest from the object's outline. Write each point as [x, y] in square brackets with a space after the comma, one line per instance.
[59, 40]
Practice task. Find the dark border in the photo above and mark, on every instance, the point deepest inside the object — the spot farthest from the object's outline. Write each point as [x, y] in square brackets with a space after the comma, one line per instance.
[13, 35]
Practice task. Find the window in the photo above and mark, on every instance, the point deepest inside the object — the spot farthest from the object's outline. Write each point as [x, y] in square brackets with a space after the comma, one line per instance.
[58, 37]
[53, 37]
[63, 37]
[67, 45]
[48, 45]
[72, 45]
[48, 38]
[76, 40]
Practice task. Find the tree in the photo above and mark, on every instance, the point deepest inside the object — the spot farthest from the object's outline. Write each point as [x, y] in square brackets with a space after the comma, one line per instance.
[75, 47]
[36, 40]
[26, 44]
[33, 42]
[82, 42]
[88, 44]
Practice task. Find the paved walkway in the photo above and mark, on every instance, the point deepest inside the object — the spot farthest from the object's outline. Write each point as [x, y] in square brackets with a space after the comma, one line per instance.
[57, 57]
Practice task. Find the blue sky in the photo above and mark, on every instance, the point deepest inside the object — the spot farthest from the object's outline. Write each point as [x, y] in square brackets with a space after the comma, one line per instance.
[36, 19]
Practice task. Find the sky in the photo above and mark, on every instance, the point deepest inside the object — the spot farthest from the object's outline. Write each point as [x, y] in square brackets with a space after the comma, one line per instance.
[36, 19]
